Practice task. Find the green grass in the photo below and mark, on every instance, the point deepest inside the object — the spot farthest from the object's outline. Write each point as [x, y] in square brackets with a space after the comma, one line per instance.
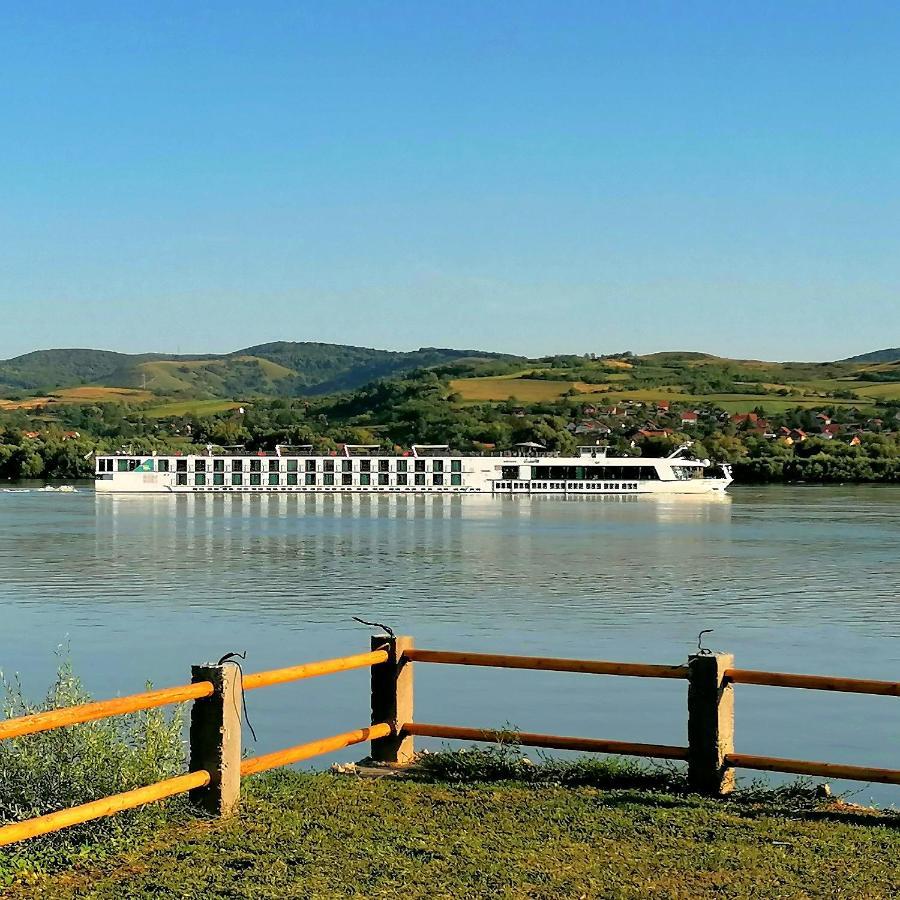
[316, 835]
[190, 407]
[504, 387]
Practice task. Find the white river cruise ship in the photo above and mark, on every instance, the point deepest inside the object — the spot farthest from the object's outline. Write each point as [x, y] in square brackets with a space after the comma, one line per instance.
[528, 469]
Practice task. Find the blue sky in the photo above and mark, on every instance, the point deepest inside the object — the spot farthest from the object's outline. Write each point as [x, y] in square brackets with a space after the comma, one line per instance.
[522, 176]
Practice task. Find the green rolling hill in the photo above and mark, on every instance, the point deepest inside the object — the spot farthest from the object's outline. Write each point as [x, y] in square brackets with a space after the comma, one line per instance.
[283, 368]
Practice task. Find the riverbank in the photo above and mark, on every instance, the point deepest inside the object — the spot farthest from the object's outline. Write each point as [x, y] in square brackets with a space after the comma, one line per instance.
[320, 835]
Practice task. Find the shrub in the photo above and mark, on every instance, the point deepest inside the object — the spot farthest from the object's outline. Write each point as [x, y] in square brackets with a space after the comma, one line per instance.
[52, 770]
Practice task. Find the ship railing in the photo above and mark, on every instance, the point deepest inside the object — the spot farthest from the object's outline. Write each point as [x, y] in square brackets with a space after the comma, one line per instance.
[216, 768]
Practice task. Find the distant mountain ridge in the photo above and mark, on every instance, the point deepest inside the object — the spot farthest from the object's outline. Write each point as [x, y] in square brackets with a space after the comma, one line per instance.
[892, 354]
[280, 368]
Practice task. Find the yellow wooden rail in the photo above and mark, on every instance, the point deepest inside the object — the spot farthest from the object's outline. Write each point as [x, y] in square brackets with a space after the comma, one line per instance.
[814, 682]
[311, 670]
[805, 767]
[385, 653]
[546, 663]
[314, 748]
[553, 741]
[97, 809]
[102, 709]
[88, 712]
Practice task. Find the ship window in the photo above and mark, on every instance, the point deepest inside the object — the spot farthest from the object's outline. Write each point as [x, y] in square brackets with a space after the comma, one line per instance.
[122, 465]
[273, 465]
[162, 465]
[199, 465]
[420, 479]
[456, 465]
[383, 477]
[218, 478]
[437, 479]
[292, 465]
[218, 465]
[292, 478]
[310, 478]
[255, 478]
[347, 478]
[365, 465]
[310, 465]
[256, 465]
[200, 478]
[346, 465]
[328, 465]
[365, 478]
[402, 465]
[401, 478]
[509, 472]
[181, 478]
[273, 478]
[181, 465]
[437, 465]
[237, 478]
[455, 478]
[384, 465]
[236, 466]
[420, 465]
[329, 477]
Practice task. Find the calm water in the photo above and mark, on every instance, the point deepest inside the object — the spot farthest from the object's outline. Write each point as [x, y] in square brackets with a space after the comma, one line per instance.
[798, 579]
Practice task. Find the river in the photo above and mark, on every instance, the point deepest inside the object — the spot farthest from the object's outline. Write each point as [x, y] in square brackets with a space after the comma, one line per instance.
[800, 579]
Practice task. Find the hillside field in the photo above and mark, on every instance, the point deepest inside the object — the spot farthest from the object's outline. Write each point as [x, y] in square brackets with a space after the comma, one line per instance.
[190, 407]
[681, 378]
[85, 394]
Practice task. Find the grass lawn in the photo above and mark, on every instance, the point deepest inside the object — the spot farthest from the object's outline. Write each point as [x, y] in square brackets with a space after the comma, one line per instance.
[323, 836]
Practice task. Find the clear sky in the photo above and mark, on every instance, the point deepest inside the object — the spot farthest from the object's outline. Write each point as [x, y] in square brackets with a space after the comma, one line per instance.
[524, 176]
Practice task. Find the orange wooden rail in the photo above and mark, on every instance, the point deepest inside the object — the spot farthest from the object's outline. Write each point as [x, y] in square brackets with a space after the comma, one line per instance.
[805, 767]
[313, 748]
[103, 709]
[554, 741]
[814, 682]
[88, 712]
[97, 809]
[311, 670]
[546, 663]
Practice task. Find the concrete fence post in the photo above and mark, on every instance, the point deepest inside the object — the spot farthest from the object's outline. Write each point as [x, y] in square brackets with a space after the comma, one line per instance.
[215, 739]
[392, 699]
[710, 723]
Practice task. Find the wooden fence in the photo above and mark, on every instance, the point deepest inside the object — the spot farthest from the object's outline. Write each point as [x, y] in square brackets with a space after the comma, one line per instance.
[216, 767]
